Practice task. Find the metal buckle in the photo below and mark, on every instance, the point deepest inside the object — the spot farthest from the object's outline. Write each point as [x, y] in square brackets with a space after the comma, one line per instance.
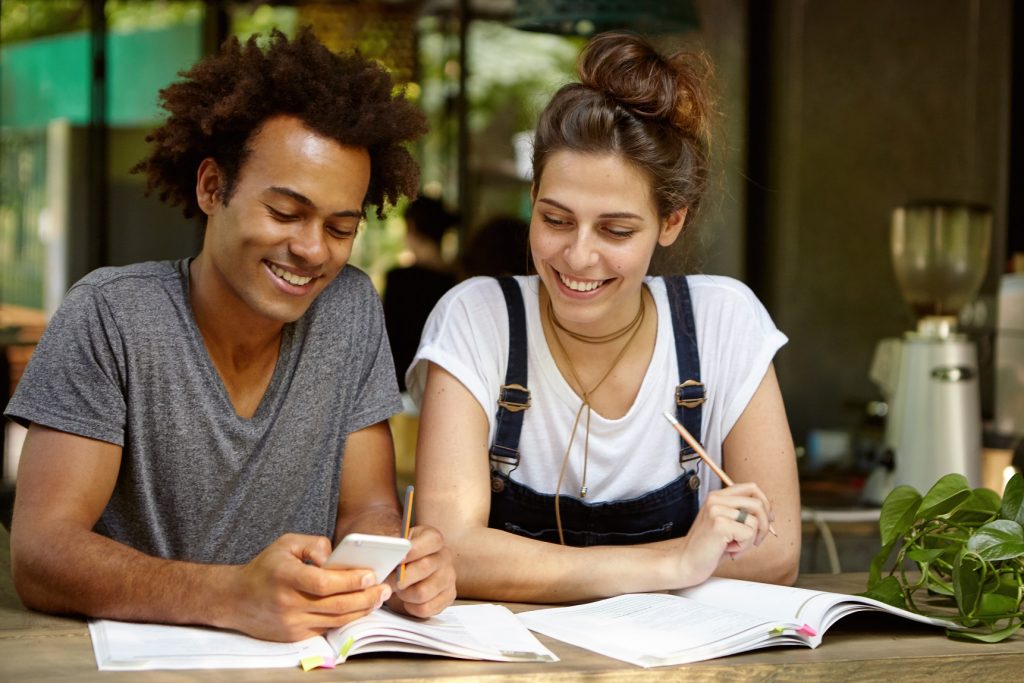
[514, 405]
[692, 402]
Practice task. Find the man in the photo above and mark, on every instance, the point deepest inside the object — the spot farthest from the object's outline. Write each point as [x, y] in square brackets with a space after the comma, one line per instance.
[202, 430]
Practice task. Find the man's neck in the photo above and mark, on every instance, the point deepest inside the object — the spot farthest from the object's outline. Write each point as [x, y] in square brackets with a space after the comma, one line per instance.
[242, 345]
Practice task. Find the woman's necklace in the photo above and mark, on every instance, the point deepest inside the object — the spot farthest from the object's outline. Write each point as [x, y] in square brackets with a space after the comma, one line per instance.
[603, 339]
[632, 328]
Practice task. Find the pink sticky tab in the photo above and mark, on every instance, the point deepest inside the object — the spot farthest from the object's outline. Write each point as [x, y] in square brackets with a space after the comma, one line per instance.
[807, 630]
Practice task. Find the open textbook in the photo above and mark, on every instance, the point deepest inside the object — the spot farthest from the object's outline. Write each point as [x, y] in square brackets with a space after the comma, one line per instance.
[484, 631]
[717, 618]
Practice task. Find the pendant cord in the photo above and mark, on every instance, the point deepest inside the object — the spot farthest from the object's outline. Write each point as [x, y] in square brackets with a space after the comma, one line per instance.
[633, 328]
[604, 338]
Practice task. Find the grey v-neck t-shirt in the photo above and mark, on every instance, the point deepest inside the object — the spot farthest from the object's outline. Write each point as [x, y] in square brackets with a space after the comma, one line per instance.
[122, 361]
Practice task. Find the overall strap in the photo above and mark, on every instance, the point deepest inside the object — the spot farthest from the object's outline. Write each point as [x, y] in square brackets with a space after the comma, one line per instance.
[514, 397]
[690, 392]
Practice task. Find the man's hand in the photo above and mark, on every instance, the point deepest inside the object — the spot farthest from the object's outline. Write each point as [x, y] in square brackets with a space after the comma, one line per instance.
[428, 585]
[284, 594]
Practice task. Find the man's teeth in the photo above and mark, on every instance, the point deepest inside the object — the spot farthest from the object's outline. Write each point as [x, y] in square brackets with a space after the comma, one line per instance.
[577, 286]
[289, 277]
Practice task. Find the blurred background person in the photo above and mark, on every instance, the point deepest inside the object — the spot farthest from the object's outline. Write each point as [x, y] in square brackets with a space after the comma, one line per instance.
[410, 292]
[498, 247]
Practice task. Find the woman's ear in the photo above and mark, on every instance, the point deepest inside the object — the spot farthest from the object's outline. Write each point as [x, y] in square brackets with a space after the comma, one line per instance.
[209, 185]
[672, 227]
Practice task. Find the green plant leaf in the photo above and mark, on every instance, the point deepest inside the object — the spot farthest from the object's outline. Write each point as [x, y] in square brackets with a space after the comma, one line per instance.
[1013, 500]
[940, 587]
[985, 637]
[898, 513]
[980, 507]
[947, 493]
[968, 576]
[889, 591]
[994, 605]
[1002, 539]
[877, 563]
[923, 556]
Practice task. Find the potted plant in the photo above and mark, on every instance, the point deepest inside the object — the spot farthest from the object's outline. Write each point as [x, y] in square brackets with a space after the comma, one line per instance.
[965, 546]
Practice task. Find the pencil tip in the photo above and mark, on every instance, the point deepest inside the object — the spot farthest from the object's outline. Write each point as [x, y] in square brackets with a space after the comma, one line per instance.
[670, 417]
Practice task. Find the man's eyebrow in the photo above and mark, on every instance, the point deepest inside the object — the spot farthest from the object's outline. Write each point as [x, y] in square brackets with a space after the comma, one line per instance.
[306, 201]
[612, 214]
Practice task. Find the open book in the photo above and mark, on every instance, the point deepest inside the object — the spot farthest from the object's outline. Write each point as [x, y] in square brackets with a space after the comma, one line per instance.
[466, 632]
[717, 618]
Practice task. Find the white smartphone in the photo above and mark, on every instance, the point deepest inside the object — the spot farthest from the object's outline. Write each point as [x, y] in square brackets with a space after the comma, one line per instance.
[368, 551]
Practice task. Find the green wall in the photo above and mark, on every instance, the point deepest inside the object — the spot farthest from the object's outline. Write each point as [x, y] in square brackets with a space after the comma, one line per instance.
[48, 78]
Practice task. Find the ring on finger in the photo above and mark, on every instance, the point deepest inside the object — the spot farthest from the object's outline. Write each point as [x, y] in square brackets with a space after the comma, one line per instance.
[741, 516]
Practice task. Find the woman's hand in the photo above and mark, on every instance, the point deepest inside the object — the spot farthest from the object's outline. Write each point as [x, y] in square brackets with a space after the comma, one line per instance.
[731, 521]
[428, 583]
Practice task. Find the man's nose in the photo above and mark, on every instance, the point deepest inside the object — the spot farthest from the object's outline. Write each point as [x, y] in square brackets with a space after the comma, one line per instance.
[310, 243]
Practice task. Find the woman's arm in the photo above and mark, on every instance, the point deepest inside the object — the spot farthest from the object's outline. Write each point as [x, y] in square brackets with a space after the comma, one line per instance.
[368, 503]
[759, 449]
[453, 494]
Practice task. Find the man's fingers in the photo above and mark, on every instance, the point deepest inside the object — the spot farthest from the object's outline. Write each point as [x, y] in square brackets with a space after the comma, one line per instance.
[363, 601]
[326, 582]
[313, 549]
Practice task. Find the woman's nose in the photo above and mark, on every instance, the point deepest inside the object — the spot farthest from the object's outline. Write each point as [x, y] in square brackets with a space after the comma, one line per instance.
[580, 252]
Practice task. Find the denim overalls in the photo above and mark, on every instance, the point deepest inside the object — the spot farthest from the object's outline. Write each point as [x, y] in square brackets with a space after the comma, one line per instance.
[665, 513]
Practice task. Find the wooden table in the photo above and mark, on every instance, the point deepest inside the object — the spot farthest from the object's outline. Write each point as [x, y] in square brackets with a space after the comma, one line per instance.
[861, 647]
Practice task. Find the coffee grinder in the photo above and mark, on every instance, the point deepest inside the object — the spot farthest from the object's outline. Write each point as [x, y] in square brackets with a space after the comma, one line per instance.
[930, 376]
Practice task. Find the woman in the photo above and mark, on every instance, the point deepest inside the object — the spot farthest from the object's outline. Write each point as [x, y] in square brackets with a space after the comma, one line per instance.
[588, 492]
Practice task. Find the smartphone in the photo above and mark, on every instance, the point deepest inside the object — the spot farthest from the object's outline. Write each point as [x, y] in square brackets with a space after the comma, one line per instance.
[367, 551]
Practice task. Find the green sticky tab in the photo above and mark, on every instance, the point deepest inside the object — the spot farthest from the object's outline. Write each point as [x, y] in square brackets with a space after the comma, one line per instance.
[346, 647]
[777, 631]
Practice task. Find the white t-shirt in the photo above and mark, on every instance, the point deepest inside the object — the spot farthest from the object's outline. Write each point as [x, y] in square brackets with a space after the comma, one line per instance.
[467, 334]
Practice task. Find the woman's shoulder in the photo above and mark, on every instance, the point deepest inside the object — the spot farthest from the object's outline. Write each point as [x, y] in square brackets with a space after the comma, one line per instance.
[479, 292]
[713, 290]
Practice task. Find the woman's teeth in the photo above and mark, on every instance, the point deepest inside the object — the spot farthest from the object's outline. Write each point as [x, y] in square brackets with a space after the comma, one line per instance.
[290, 278]
[578, 286]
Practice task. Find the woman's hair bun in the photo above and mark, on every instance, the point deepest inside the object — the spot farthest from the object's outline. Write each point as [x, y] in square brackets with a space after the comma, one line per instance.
[628, 69]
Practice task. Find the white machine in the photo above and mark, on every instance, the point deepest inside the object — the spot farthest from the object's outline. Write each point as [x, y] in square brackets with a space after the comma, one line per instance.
[930, 376]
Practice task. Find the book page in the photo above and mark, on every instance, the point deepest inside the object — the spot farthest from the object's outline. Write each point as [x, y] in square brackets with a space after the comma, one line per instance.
[125, 646]
[788, 604]
[482, 631]
[652, 629]
[784, 604]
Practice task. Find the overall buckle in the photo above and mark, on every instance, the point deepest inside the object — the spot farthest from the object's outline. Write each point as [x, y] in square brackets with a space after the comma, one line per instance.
[691, 394]
[514, 397]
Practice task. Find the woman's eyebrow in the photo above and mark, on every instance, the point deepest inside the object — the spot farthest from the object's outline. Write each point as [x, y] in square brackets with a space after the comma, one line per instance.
[610, 214]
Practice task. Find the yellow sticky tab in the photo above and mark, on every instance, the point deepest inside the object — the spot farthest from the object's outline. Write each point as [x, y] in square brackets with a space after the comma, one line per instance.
[314, 662]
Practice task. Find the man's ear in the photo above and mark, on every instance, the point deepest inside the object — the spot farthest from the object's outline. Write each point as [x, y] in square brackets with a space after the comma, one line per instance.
[672, 227]
[209, 185]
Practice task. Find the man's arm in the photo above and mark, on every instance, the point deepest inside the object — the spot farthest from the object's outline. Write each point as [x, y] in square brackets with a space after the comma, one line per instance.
[61, 565]
[368, 503]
